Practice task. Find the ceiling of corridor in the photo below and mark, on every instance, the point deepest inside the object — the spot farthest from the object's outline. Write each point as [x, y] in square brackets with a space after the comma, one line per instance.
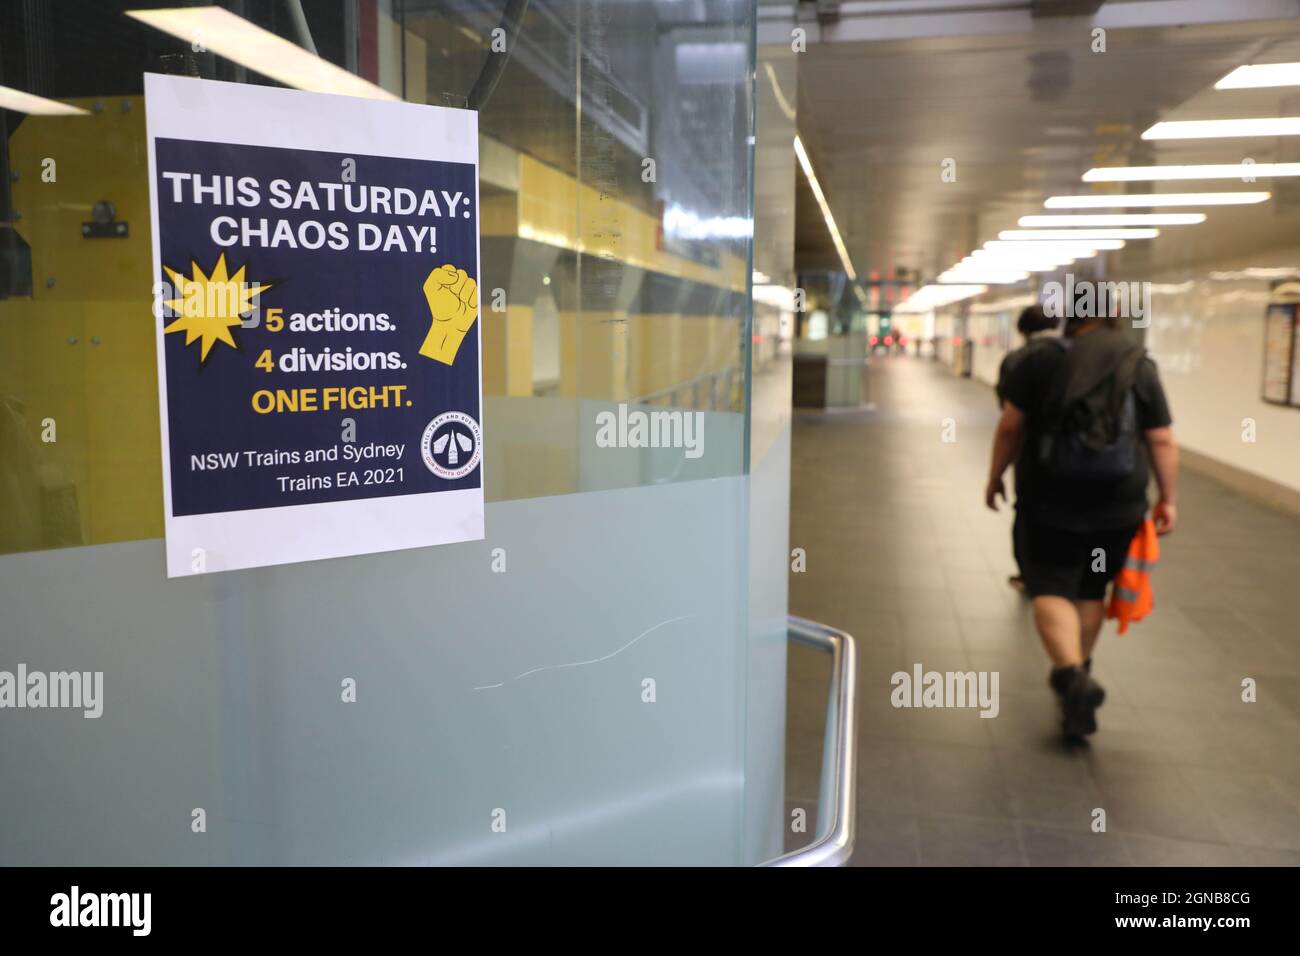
[1024, 115]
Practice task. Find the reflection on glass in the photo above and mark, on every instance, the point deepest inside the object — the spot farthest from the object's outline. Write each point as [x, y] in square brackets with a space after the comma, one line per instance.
[616, 227]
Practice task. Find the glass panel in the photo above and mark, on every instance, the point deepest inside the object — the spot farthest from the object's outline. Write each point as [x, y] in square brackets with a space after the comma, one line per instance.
[579, 676]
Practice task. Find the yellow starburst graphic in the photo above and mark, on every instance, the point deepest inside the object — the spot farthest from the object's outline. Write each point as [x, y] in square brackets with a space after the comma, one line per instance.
[209, 306]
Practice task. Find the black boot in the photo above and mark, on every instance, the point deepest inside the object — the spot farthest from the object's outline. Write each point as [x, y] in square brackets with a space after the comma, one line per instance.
[1080, 697]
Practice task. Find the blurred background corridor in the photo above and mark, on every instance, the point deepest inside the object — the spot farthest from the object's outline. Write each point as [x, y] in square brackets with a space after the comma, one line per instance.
[903, 554]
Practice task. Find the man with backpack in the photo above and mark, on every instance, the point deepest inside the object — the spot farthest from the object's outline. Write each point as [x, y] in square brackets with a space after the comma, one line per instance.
[1088, 414]
[1034, 324]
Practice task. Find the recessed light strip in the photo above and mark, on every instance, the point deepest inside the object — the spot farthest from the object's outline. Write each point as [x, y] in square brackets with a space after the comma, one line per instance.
[20, 102]
[1225, 128]
[981, 275]
[1075, 235]
[806, 163]
[997, 260]
[1152, 174]
[247, 44]
[1153, 200]
[1117, 219]
[1057, 245]
[1261, 74]
[930, 297]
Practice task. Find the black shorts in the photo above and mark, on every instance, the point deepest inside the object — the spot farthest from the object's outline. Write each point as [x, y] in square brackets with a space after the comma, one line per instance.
[1061, 563]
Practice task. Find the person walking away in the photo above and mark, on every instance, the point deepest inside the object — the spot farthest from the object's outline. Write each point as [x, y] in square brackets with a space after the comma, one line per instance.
[1090, 413]
[1033, 324]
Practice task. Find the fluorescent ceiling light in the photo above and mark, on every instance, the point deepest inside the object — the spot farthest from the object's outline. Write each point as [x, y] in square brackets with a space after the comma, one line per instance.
[990, 260]
[997, 266]
[247, 44]
[20, 102]
[1012, 303]
[1256, 272]
[1075, 235]
[1118, 219]
[1058, 248]
[1261, 74]
[969, 265]
[981, 275]
[806, 163]
[1010, 265]
[1063, 245]
[1029, 255]
[1221, 129]
[930, 297]
[1246, 171]
[1026, 250]
[1151, 200]
[777, 296]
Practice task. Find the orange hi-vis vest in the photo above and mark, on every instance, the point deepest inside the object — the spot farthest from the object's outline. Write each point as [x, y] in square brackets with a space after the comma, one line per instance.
[1131, 598]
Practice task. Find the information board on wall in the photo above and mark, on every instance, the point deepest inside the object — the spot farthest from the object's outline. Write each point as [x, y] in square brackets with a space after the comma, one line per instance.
[316, 268]
[1279, 349]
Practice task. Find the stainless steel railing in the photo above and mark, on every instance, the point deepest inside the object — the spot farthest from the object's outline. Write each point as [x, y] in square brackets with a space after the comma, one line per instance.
[833, 843]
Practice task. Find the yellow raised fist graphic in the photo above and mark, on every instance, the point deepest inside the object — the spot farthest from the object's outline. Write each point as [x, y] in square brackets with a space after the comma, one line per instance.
[453, 303]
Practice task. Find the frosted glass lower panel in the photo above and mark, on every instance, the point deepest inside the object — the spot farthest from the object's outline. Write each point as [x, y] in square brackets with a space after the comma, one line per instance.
[481, 696]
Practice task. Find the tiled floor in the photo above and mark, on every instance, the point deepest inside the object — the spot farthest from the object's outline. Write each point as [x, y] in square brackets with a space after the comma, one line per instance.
[902, 554]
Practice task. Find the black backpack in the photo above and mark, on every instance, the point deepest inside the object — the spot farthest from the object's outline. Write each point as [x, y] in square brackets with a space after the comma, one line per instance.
[1091, 431]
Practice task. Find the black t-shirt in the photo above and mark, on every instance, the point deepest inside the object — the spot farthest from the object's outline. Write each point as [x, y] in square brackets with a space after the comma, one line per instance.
[1013, 358]
[1079, 506]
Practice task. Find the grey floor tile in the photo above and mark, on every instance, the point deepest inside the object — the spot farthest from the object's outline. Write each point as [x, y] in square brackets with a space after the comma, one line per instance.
[982, 635]
[935, 655]
[1020, 670]
[802, 771]
[962, 841]
[958, 780]
[1155, 801]
[1266, 856]
[1251, 808]
[877, 718]
[1160, 851]
[886, 839]
[952, 725]
[938, 628]
[1079, 846]
[884, 777]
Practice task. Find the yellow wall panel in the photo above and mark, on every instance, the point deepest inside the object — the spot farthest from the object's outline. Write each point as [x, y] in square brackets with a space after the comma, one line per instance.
[81, 348]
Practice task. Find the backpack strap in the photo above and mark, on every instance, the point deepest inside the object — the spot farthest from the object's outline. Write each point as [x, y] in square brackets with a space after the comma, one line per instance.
[1081, 377]
[1053, 401]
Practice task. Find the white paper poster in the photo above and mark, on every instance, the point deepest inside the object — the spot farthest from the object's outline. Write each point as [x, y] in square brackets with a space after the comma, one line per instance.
[316, 267]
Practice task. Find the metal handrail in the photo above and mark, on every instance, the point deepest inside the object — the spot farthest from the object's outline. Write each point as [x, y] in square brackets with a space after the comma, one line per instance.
[836, 806]
[692, 383]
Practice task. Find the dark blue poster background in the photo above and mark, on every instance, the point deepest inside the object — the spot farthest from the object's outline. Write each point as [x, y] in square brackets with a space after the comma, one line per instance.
[209, 403]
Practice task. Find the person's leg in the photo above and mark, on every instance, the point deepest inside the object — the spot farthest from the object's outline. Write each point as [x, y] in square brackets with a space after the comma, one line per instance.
[1091, 616]
[1060, 629]
[1057, 563]
[1018, 548]
[1091, 601]
[1047, 563]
